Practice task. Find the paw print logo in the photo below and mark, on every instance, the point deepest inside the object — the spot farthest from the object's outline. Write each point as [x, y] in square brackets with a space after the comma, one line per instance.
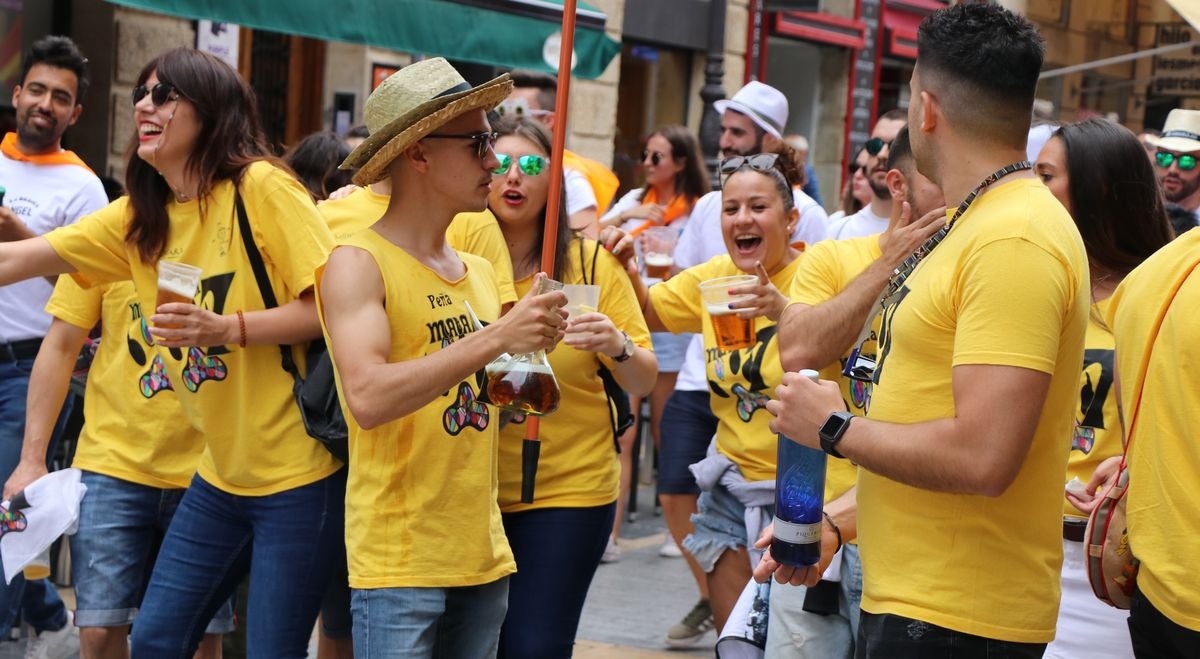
[465, 412]
[1083, 439]
[202, 368]
[749, 402]
[12, 521]
[155, 380]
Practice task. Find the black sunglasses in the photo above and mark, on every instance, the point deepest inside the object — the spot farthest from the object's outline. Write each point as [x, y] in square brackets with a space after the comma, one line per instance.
[759, 162]
[483, 141]
[654, 156]
[853, 169]
[874, 146]
[159, 93]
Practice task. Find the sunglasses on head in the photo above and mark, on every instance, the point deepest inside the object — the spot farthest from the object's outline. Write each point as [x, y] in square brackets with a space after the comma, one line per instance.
[654, 156]
[528, 165]
[1186, 162]
[874, 146]
[159, 93]
[483, 141]
[759, 162]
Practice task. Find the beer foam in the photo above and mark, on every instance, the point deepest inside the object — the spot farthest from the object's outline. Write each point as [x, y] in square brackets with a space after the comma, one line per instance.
[519, 367]
[176, 287]
[720, 310]
[654, 258]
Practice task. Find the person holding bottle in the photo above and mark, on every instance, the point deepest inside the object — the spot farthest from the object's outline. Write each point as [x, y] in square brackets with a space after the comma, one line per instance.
[557, 540]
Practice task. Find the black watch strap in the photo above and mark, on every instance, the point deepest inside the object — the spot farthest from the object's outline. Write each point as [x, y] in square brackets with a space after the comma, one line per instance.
[832, 431]
[626, 350]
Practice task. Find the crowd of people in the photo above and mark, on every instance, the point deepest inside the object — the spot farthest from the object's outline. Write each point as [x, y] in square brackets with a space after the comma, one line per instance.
[996, 312]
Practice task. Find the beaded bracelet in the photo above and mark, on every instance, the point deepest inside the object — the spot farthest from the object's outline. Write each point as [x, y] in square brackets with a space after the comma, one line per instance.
[242, 342]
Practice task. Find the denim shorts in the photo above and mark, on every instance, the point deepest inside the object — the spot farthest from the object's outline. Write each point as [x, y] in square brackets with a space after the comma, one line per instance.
[121, 525]
[720, 526]
[670, 350]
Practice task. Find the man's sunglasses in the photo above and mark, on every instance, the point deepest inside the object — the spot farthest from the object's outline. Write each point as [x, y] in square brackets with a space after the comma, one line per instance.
[654, 156]
[1186, 162]
[483, 141]
[159, 93]
[874, 146]
[759, 162]
[529, 165]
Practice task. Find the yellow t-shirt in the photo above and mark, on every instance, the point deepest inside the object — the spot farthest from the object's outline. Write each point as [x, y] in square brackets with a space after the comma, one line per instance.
[240, 399]
[578, 465]
[473, 233]
[421, 496]
[1008, 286]
[829, 266]
[1164, 454]
[1097, 433]
[135, 428]
[739, 382]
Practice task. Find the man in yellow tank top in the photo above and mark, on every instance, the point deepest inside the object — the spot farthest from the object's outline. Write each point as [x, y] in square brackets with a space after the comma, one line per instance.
[428, 559]
[962, 450]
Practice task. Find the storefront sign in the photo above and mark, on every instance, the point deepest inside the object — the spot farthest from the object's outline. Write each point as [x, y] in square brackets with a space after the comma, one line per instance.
[866, 74]
[1177, 73]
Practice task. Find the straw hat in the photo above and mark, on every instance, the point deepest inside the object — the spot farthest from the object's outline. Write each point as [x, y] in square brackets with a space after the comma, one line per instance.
[765, 105]
[412, 103]
[1181, 132]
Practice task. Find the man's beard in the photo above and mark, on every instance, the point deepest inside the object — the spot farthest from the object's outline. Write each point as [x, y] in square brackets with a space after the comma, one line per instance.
[38, 139]
[1186, 189]
[757, 148]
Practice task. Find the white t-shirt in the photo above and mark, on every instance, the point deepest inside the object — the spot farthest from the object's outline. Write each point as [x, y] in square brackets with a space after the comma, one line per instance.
[580, 195]
[702, 240]
[863, 223]
[44, 197]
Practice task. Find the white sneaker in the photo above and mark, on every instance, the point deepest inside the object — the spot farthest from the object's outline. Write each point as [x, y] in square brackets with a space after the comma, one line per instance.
[612, 553]
[669, 549]
[56, 644]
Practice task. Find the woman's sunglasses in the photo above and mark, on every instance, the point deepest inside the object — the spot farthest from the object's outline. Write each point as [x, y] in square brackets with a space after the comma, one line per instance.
[159, 93]
[654, 156]
[1187, 162]
[529, 165]
[853, 169]
[759, 162]
[483, 141]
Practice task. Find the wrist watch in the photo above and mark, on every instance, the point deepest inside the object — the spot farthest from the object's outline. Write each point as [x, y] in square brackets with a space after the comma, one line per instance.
[832, 430]
[626, 349]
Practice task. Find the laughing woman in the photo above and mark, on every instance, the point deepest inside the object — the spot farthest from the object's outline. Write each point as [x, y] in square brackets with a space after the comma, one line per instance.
[266, 499]
[557, 540]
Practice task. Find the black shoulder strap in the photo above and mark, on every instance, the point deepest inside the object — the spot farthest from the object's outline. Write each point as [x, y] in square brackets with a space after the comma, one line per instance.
[260, 276]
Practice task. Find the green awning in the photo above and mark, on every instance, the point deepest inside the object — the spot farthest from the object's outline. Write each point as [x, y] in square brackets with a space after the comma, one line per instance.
[505, 33]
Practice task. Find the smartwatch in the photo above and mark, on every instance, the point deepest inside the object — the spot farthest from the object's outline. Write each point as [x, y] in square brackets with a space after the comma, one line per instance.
[626, 350]
[832, 430]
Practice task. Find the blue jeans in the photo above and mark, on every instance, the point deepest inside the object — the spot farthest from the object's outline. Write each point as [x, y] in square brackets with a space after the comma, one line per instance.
[286, 542]
[420, 623]
[37, 600]
[121, 525]
[557, 552]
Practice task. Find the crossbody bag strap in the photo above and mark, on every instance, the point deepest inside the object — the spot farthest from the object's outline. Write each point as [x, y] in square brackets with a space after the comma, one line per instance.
[260, 276]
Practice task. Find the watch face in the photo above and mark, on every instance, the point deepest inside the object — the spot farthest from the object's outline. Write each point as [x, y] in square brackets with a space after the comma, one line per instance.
[832, 425]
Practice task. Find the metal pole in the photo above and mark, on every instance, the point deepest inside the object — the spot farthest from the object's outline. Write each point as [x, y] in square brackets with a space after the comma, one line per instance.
[1054, 73]
[713, 89]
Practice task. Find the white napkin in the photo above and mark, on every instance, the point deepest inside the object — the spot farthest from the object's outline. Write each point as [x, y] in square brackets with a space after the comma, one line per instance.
[53, 510]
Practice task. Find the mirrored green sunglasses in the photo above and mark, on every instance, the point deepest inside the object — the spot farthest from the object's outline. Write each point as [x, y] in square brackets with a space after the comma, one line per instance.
[529, 165]
[1187, 162]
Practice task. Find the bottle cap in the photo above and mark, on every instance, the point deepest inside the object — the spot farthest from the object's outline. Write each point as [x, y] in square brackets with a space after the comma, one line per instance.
[810, 374]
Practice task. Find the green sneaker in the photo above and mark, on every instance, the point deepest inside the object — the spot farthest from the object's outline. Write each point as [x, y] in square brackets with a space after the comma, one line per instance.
[692, 628]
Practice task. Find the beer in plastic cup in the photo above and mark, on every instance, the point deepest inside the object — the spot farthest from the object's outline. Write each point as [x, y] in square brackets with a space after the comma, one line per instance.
[581, 299]
[177, 282]
[732, 332]
[39, 567]
[658, 249]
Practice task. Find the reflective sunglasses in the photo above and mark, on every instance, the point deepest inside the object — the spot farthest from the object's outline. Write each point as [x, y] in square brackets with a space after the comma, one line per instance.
[483, 141]
[874, 146]
[159, 94]
[529, 165]
[1186, 162]
[654, 156]
[759, 162]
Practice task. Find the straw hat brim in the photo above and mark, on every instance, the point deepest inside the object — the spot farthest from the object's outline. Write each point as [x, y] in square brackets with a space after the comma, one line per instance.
[373, 156]
[1178, 144]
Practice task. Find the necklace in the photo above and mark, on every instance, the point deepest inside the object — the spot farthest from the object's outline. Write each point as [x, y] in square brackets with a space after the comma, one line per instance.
[905, 269]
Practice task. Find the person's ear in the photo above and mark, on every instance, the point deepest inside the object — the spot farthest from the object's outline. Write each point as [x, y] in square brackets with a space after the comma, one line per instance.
[931, 112]
[416, 157]
[897, 185]
[793, 218]
[75, 115]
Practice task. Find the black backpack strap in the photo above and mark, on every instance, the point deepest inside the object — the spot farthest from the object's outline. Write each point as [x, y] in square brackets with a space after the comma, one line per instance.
[260, 276]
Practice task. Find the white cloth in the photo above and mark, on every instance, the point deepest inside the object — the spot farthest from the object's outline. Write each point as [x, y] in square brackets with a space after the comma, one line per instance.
[1086, 626]
[693, 376]
[744, 635]
[862, 223]
[580, 195]
[53, 510]
[44, 197]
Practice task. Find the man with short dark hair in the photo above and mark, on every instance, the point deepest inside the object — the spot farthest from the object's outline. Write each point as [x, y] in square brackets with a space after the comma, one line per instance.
[873, 218]
[961, 453]
[46, 187]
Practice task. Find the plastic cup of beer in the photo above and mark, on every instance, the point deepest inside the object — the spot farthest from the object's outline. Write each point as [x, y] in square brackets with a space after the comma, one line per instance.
[177, 282]
[658, 251]
[581, 299]
[731, 330]
[39, 567]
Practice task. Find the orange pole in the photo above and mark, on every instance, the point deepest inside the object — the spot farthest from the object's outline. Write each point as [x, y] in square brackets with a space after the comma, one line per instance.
[566, 49]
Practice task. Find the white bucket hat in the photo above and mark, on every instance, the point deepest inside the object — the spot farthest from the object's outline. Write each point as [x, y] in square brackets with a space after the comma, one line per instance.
[1181, 132]
[766, 106]
[412, 103]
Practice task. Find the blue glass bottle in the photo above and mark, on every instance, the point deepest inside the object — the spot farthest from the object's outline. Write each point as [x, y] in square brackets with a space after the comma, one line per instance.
[799, 501]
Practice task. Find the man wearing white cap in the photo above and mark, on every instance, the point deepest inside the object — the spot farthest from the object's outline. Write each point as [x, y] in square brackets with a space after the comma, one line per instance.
[1176, 158]
[401, 312]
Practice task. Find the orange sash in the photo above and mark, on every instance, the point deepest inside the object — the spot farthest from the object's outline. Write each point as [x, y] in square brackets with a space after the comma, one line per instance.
[604, 183]
[677, 208]
[9, 148]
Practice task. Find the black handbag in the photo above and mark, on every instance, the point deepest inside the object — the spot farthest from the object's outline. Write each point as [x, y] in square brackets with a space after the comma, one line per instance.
[316, 395]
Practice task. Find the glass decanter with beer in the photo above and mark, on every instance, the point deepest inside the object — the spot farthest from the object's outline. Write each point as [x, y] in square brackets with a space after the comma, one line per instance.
[525, 383]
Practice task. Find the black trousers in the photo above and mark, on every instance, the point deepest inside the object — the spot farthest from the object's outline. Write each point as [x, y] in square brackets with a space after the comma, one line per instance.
[886, 636]
[1157, 636]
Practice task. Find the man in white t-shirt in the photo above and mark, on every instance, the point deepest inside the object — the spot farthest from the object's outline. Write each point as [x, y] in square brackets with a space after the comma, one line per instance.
[873, 218]
[46, 187]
